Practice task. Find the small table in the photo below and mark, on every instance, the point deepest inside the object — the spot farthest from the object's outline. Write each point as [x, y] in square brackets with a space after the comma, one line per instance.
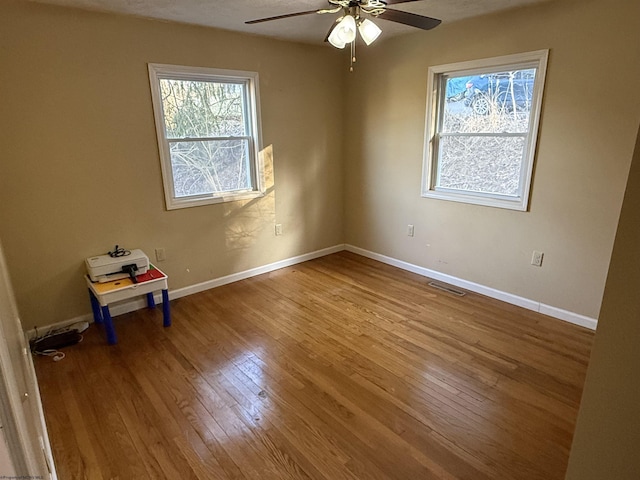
[102, 294]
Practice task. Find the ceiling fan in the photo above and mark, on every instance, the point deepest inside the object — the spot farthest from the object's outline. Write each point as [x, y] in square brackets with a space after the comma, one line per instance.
[343, 30]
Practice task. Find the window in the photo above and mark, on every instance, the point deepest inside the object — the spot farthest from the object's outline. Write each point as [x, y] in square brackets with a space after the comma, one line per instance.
[207, 122]
[482, 126]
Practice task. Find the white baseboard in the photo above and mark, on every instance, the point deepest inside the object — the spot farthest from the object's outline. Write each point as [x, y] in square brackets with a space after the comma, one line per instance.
[132, 305]
[234, 277]
[555, 312]
[567, 316]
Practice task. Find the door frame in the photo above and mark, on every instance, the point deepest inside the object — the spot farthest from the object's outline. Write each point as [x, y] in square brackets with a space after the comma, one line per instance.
[21, 411]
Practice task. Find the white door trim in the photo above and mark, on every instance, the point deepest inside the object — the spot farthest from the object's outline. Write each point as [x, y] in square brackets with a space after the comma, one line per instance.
[20, 405]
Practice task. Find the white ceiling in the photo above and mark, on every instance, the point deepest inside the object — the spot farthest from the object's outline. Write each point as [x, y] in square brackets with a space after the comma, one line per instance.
[231, 14]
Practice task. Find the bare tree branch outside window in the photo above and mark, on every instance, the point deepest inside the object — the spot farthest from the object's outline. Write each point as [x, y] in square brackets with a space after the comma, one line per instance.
[484, 128]
[206, 127]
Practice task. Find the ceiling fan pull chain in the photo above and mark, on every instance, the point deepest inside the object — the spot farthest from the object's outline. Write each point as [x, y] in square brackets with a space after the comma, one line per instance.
[353, 55]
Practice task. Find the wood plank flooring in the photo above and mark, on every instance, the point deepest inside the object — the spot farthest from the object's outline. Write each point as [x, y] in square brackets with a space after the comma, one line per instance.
[338, 368]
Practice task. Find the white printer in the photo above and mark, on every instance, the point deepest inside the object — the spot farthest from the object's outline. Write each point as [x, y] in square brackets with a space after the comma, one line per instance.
[105, 268]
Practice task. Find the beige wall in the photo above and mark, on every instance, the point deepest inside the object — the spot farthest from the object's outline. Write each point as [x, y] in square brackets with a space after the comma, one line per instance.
[79, 169]
[607, 436]
[590, 116]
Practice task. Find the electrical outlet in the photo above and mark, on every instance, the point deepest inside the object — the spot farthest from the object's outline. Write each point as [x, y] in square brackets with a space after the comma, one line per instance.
[410, 230]
[278, 229]
[160, 255]
[536, 258]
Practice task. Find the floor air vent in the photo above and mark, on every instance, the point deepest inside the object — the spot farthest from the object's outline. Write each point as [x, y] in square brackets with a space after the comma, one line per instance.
[447, 288]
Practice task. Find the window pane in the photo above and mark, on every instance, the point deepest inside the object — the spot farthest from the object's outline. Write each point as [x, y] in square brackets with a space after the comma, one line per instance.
[209, 167]
[203, 109]
[489, 103]
[481, 164]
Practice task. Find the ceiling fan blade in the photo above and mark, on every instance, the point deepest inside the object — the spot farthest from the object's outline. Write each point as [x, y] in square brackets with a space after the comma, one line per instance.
[406, 18]
[278, 17]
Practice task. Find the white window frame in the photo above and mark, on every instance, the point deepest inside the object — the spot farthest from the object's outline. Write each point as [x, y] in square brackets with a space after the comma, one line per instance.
[435, 108]
[159, 72]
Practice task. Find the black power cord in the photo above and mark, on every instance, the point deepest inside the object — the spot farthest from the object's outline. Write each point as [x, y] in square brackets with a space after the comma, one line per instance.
[119, 252]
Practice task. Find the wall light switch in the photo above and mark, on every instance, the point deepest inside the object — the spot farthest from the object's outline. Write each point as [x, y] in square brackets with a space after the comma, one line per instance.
[278, 229]
[410, 230]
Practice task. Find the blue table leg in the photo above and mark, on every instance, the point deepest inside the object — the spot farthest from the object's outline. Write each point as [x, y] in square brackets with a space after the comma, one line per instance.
[95, 306]
[108, 326]
[166, 314]
[151, 303]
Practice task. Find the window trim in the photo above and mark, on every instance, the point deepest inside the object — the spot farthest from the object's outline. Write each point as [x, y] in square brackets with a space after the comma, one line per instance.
[159, 72]
[433, 124]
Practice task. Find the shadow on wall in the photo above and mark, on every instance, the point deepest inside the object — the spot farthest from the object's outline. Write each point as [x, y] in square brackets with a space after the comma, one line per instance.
[246, 219]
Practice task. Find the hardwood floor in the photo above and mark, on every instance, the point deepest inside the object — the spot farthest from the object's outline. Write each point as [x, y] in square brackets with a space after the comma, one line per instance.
[338, 368]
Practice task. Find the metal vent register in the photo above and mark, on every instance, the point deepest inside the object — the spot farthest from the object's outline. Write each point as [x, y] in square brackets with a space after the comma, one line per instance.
[447, 288]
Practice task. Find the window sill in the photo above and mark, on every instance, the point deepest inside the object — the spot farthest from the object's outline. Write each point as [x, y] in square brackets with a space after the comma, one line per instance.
[175, 203]
[477, 199]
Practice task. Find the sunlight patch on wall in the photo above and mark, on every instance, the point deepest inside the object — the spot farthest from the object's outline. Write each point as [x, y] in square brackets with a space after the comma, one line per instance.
[247, 219]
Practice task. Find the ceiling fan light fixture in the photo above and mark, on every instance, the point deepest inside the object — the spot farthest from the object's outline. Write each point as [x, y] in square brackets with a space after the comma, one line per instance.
[369, 31]
[344, 32]
[334, 39]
